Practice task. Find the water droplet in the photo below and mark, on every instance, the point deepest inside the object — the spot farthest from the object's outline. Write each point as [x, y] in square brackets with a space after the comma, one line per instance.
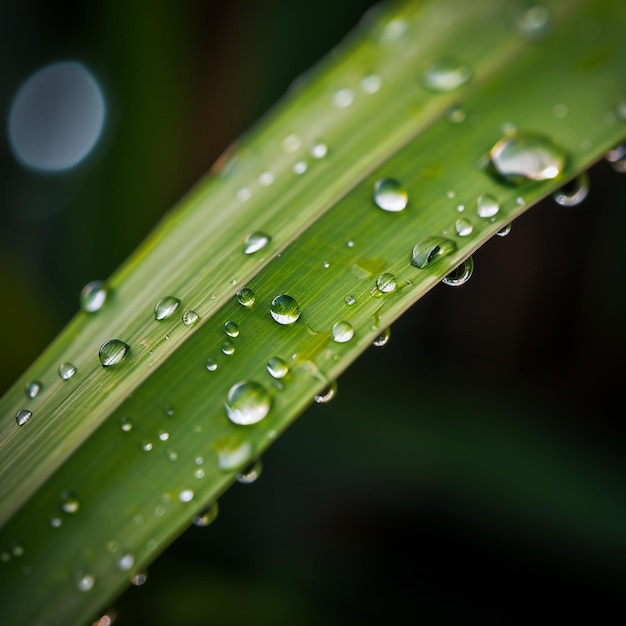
[319, 150]
[533, 21]
[446, 75]
[460, 208]
[228, 347]
[327, 394]
[291, 143]
[350, 244]
[207, 516]
[266, 179]
[461, 274]
[371, 83]
[463, 227]
[277, 367]
[112, 352]
[244, 194]
[342, 332]
[504, 231]
[393, 30]
[386, 283]
[165, 307]
[487, 206]
[232, 454]
[246, 297]
[250, 473]
[22, 416]
[525, 156]
[325, 265]
[125, 562]
[125, 424]
[343, 98]
[247, 403]
[390, 195]
[33, 388]
[172, 455]
[254, 242]
[431, 249]
[186, 495]
[164, 435]
[56, 522]
[211, 365]
[17, 550]
[284, 309]
[69, 502]
[93, 296]
[350, 300]
[85, 583]
[617, 158]
[231, 329]
[67, 370]
[299, 167]
[190, 317]
[574, 192]
[382, 339]
[199, 473]
[146, 446]
[456, 114]
[139, 579]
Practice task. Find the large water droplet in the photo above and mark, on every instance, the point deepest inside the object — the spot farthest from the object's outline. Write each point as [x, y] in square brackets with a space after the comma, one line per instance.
[86, 582]
[254, 242]
[207, 516]
[446, 75]
[93, 296]
[247, 402]
[525, 156]
[69, 502]
[190, 317]
[342, 332]
[430, 249]
[461, 274]
[463, 227]
[165, 307]
[386, 283]
[22, 416]
[574, 192]
[284, 309]
[382, 339]
[231, 329]
[33, 388]
[326, 394]
[246, 297]
[487, 206]
[617, 158]
[250, 473]
[277, 367]
[112, 352]
[67, 370]
[390, 195]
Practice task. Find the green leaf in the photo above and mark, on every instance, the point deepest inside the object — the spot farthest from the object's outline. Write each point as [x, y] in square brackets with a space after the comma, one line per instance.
[122, 457]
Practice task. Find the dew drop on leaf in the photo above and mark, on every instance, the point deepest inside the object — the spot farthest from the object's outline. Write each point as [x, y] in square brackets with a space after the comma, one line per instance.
[446, 75]
[342, 332]
[207, 516]
[487, 206]
[22, 416]
[284, 309]
[228, 347]
[69, 502]
[125, 424]
[318, 150]
[186, 495]
[247, 402]
[165, 307]
[93, 296]
[277, 367]
[461, 274]
[431, 249]
[326, 394]
[86, 582]
[386, 283]
[382, 339]
[504, 231]
[33, 389]
[66, 371]
[112, 352]
[574, 192]
[250, 473]
[231, 329]
[190, 317]
[246, 297]
[254, 242]
[125, 562]
[211, 365]
[390, 195]
[463, 227]
[617, 158]
[533, 20]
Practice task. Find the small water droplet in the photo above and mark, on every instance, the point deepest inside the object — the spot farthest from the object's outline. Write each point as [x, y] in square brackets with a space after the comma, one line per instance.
[342, 332]
[199, 473]
[386, 283]
[246, 297]
[371, 83]
[393, 30]
[574, 192]
[231, 329]
[190, 317]
[85, 583]
[343, 98]
[164, 435]
[461, 274]
[165, 307]
[284, 309]
[617, 158]
[390, 195]
[504, 231]
[250, 473]
[277, 367]
[318, 150]
[525, 156]
[69, 502]
[67, 370]
[112, 352]
[327, 394]
[244, 194]
[55, 522]
[211, 365]
[382, 339]
[93, 296]
[460, 208]
[22, 416]
[207, 516]
[446, 75]
[146, 446]
[254, 242]
[247, 402]
[228, 347]
[172, 455]
[463, 227]
[126, 562]
[266, 179]
[186, 495]
[325, 265]
[33, 388]
[533, 21]
[139, 579]
[431, 249]
[125, 424]
[350, 300]
[17, 550]
[291, 143]
[299, 167]
[487, 206]
[456, 114]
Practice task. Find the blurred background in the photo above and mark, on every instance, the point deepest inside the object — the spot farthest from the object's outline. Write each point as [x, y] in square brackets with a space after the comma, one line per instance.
[471, 471]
